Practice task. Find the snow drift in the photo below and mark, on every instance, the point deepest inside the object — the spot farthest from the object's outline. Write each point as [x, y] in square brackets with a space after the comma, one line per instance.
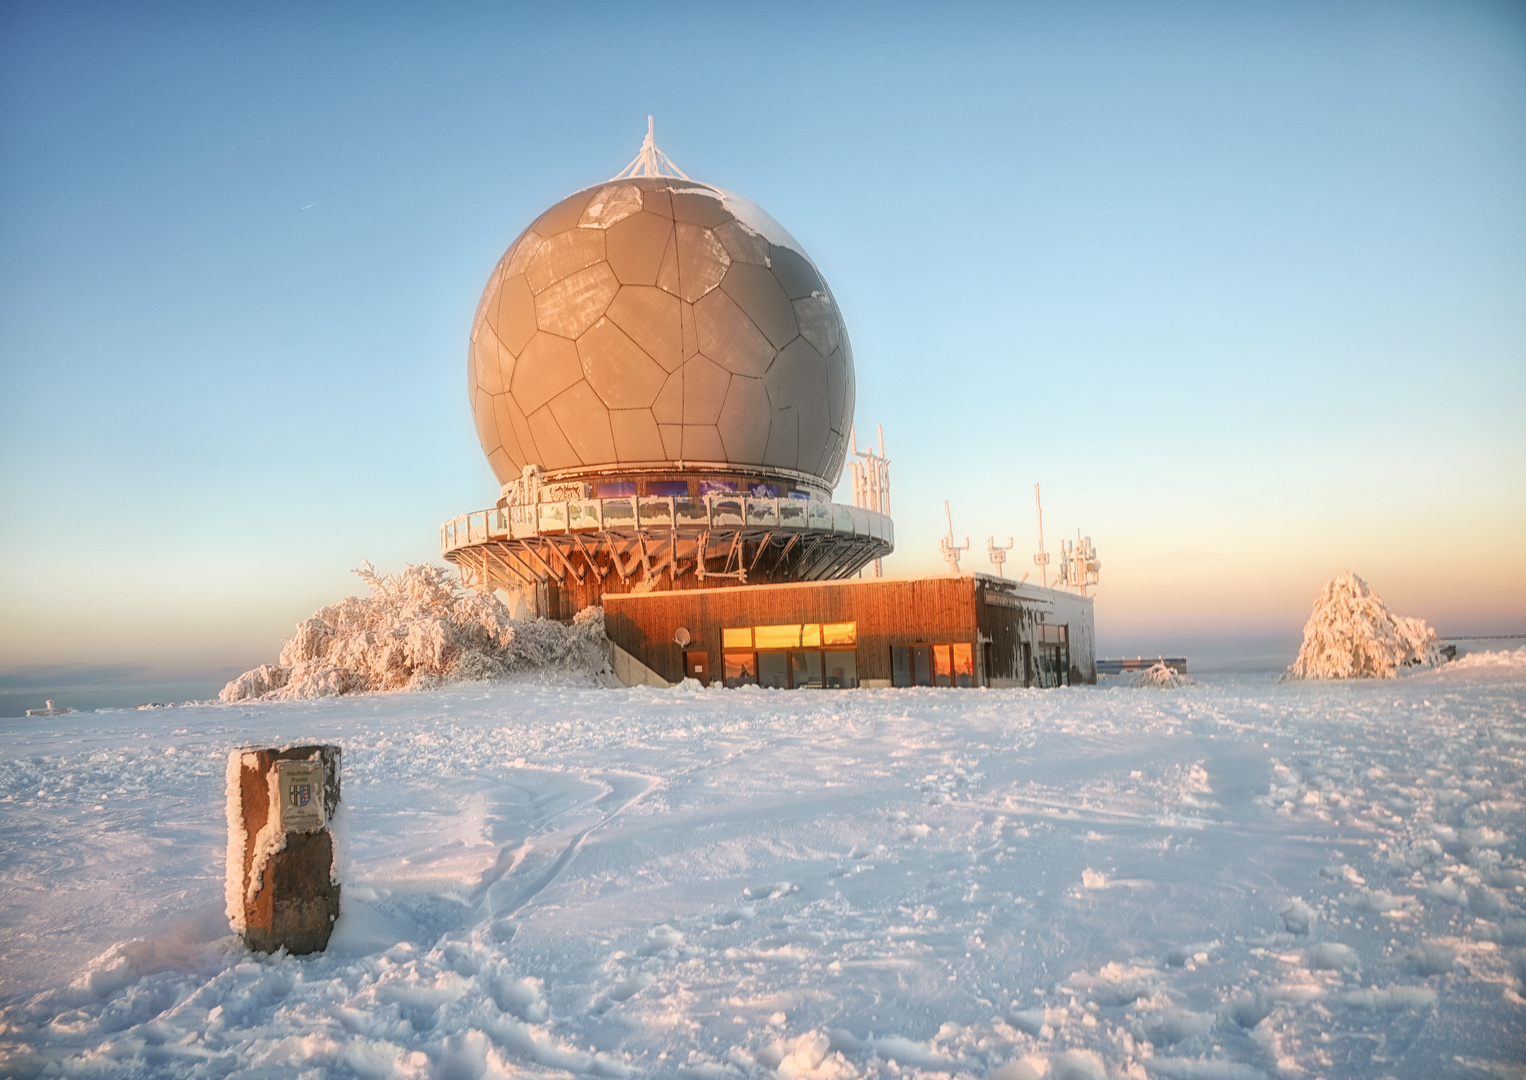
[416, 630]
[1351, 634]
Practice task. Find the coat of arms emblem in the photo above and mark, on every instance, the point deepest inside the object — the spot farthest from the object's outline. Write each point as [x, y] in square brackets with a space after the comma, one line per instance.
[301, 794]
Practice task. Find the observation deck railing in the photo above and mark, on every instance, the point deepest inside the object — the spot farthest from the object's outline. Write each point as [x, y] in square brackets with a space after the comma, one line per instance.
[636, 514]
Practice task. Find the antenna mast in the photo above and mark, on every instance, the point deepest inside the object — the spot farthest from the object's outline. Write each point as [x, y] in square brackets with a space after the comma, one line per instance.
[1041, 560]
[871, 480]
[999, 554]
[1079, 566]
[950, 549]
[651, 161]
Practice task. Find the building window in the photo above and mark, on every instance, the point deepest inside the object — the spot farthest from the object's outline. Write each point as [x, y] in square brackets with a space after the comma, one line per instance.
[777, 637]
[798, 656]
[741, 669]
[842, 633]
[841, 668]
[943, 667]
[717, 487]
[933, 665]
[678, 489]
[922, 665]
[964, 664]
[615, 489]
[773, 670]
[805, 670]
[1052, 659]
[791, 636]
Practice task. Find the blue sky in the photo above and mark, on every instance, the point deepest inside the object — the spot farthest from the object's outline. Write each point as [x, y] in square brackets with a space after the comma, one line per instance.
[1243, 285]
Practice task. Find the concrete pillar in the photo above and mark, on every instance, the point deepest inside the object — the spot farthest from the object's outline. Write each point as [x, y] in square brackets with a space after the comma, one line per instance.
[283, 883]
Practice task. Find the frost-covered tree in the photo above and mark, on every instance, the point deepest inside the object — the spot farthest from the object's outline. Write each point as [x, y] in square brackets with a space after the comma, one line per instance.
[417, 629]
[1351, 634]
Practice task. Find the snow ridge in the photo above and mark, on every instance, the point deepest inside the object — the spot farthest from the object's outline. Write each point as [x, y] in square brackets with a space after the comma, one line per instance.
[1351, 634]
[417, 630]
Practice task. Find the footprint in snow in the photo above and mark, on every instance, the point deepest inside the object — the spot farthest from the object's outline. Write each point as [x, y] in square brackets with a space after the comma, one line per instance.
[1331, 956]
[741, 913]
[1297, 916]
[660, 939]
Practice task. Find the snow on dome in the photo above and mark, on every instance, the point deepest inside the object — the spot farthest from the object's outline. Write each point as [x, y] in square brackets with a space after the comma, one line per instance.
[1351, 634]
[651, 324]
[417, 630]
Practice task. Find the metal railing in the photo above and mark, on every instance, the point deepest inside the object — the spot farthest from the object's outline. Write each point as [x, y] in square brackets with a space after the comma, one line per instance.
[712, 512]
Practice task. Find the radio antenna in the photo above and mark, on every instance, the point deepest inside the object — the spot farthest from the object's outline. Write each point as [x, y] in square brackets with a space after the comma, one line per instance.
[1041, 560]
[950, 549]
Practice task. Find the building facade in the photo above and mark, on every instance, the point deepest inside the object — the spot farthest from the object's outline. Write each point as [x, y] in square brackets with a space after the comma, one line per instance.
[971, 630]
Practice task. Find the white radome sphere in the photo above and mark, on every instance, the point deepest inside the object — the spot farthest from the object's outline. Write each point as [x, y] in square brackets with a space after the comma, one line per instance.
[659, 325]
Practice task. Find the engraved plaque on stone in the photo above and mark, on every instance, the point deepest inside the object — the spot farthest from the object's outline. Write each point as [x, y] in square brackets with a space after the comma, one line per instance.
[300, 784]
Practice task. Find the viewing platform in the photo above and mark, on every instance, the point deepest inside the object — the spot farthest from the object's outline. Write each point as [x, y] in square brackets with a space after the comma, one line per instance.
[572, 551]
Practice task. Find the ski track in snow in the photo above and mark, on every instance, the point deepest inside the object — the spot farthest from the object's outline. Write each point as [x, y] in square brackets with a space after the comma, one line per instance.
[1232, 880]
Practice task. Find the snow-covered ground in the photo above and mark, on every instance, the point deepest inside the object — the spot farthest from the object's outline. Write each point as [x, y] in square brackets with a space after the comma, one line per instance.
[1234, 879]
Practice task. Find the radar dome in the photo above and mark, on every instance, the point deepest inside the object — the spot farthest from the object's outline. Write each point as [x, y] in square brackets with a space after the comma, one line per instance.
[656, 325]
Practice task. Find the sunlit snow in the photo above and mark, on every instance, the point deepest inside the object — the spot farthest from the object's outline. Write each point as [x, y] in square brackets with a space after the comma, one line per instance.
[1241, 878]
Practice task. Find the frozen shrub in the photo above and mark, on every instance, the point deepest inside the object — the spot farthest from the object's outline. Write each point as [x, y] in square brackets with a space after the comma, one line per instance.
[256, 683]
[1163, 677]
[1352, 635]
[416, 630]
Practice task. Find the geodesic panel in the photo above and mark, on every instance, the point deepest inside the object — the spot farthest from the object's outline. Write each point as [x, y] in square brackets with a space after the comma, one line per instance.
[618, 369]
[563, 254]
[548, 366]
[487, 362]
[758, 293]
[783, 450]
[653, 319]
[584, 421]
[745, 419]
[817, 318]
[611, 204]
[574, 303]
[729, 337]
[635, 247]
[565, 214]
[702, 442]
[551, 442]
[702, 260]
[487, 423]
[704, 384]
[636, 435]
[516, 313]
[656, 320]
[514, 429]
[742, 244]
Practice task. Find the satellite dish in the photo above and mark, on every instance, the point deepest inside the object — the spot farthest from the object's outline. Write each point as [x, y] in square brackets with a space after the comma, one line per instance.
[681, 636]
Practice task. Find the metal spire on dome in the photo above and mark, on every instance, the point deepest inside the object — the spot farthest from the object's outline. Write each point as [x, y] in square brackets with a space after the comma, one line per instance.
[651, 161]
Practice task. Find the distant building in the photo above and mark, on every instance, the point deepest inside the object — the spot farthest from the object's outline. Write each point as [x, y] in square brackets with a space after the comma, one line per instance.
[663, 385]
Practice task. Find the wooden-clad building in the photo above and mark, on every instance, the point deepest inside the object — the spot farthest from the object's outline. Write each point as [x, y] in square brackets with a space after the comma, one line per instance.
[971, 630]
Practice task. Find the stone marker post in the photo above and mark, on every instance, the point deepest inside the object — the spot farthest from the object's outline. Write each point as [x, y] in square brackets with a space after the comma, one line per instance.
[283, 885]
